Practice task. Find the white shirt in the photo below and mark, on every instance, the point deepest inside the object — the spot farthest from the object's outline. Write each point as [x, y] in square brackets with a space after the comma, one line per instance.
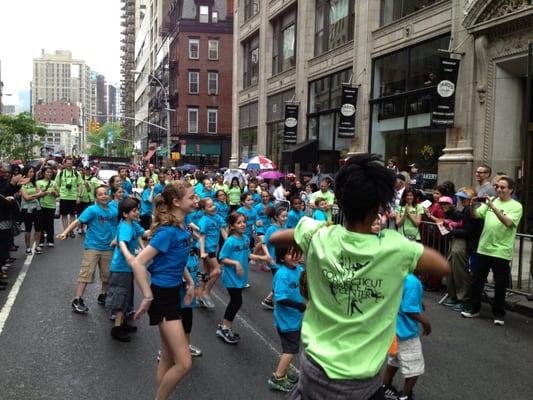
[279, 193]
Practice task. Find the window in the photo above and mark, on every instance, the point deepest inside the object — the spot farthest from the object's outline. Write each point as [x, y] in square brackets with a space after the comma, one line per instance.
[248, 131]
[251, 62]
[284, 43]
[214, 17]
[194, 84]
[404, 84]
[334, 24]
[192, 120]
[251, 8]
[204, 14]
[212, 116]
[212, 49]
[391, 10]
[194, 49]
[275, 124]
[212, 83]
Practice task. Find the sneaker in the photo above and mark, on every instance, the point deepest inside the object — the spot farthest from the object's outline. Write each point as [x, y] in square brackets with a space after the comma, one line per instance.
[470, 314]
[450, 302]
[405, 396]
[459, 307]
[499, 322]
[390, 392]
[268, 303]
[38, 250]
[120, 334]
[247, 286]
[195, 351]
[227, 335]
[128, 328]
[158, 355]
[282, 384]
[206, 301]
[50, 245]
[79, 306]
[112, 317]
[28, 252]
[293, 376]
[101, 298]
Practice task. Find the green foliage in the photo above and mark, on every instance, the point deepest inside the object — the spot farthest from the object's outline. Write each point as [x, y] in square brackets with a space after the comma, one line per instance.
[20, 137]
[116, 146]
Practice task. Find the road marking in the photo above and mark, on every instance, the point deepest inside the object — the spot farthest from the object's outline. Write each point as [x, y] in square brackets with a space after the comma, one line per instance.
[6, 310]
[250, 327]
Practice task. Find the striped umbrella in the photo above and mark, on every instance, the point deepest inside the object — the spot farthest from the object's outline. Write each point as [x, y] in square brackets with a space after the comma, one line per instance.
[258, 162]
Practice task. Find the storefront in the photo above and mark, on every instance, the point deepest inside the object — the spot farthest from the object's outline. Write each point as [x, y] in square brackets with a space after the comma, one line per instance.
[247, 131]
[275, 124]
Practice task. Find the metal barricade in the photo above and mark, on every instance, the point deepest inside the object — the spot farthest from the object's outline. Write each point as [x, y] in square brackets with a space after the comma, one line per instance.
[522, 266]
[431, 236]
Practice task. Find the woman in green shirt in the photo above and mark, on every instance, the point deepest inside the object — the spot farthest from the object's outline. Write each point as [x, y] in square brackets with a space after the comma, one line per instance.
[50, 191]
[30, 208]
[234, 194]
[409, 215]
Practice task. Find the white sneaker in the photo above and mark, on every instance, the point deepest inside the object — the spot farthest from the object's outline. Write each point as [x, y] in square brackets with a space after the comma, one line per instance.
[195, 351]
[469, 314]
[499, 322]
[50, 245]
[207, 302]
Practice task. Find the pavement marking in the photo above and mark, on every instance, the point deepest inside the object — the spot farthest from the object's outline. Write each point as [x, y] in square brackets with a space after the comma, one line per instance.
[250, 327]
[6, 310]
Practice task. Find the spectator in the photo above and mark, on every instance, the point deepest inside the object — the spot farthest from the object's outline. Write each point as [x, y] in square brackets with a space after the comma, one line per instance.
[391, 164]
[69, 183]
[434, 213]
[279, 191]
[399, 187]
[409, 215]
[496, 245]
[326, 194]
[483, 173]
[417, 179]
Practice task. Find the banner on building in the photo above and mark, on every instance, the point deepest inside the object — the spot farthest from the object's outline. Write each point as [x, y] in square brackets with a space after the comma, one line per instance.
[443, 111]
[348, 103]
[291, 124]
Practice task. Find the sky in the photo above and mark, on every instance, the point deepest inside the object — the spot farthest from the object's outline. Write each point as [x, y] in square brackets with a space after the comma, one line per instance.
[90, 29]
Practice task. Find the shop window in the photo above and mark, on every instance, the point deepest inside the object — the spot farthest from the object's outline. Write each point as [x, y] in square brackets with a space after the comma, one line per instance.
[391, 10]
[275, 124]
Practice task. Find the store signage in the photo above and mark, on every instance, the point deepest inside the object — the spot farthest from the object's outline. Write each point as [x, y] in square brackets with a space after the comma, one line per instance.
[348, 103]
[443, 112]
[291, 124]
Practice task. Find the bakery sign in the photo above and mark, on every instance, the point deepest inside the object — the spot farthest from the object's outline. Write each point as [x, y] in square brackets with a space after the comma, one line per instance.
[443, 110]
[348, 109]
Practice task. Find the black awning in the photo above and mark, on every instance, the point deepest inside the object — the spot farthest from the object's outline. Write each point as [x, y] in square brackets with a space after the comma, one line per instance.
[301, 153]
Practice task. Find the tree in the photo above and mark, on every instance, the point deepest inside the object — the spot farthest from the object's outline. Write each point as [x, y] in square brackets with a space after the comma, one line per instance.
[20, 136]
[109, 141]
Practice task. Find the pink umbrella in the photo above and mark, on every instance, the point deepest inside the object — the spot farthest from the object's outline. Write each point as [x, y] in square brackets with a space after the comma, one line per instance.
[271, 175]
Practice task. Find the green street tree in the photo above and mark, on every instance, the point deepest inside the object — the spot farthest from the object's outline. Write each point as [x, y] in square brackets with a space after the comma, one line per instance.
[20, 137]
[109, 141]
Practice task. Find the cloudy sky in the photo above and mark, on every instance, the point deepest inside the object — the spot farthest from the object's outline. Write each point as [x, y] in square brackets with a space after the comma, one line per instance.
[90, 29]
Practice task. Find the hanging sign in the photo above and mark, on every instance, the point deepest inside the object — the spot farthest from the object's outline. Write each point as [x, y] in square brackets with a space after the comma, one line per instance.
[291, 124]
[443, 111]
[348, 103]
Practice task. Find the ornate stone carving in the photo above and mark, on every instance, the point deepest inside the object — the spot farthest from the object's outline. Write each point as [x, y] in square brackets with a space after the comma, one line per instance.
[481, 47]
[499, 8]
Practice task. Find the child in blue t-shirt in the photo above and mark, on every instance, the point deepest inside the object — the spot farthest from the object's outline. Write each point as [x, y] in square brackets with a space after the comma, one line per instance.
[409, 359]
[320, 212]
[252, 189]
[186, 310]
[147, 203]
[234, 256]
[101, 221]
[248, 211]
[120, 294]
[260, 209]
[296, 214]
[211, 228]
[221, 204]
[289, 306]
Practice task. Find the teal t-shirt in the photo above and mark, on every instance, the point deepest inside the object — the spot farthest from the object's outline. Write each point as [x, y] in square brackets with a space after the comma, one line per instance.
[101, 226]
[210, 226]
[129, 234]
[286, 286]
[355, 284]
[237, 249]
[496, 239]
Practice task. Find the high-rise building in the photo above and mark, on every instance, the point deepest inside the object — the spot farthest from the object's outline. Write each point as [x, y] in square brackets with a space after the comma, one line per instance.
[1, 88]
[59, 77]
[130, 19]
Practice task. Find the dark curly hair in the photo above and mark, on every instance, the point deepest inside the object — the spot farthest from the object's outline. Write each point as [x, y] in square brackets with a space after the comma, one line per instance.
[362, 186]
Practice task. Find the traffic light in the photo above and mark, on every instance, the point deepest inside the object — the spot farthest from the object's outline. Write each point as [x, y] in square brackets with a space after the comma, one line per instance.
[94, 126]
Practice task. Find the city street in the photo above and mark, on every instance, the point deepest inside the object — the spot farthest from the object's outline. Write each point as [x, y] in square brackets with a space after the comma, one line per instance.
[49, 352]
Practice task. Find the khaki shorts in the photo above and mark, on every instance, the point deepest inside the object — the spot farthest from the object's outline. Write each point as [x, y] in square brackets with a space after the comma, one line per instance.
[89, 261]
[409, 359]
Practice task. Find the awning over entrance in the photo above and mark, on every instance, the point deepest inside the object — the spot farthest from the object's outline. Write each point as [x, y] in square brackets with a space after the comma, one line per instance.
[205, 149]
[149, 154]
[301, 153]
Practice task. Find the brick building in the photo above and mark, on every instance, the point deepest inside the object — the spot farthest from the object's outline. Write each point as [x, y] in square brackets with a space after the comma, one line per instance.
[57, 112]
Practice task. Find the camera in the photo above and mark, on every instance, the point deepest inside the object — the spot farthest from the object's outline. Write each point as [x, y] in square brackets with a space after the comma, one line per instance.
[68, 186]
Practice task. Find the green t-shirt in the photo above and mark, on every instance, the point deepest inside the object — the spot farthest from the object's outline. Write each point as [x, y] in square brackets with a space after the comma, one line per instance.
[94, 183]
[408, 228]
[329, 196]
[496, 239]
[65, 178]
[234, 196]
[355, 284]
[86, 189]
[30, 190]
[223, 187]
[48, 200]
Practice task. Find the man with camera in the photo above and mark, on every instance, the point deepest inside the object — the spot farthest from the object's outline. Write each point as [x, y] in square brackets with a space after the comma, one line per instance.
[69, 182]
[496, 247]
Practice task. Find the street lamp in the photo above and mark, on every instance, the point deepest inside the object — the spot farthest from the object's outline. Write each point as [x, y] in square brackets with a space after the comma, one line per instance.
[167, 104]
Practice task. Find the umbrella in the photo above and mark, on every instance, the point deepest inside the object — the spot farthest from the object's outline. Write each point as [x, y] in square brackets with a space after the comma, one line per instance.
[229, 174]
[187, 167]
[258, 162]
[271, 175]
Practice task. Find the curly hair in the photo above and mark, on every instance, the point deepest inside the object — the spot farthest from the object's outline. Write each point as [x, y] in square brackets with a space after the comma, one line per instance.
[363, 186]
[163, 210]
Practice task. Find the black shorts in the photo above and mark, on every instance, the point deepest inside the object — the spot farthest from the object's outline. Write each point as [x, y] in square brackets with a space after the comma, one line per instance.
[81, 207]
[67, 207]
[290, 342]
[165, 305]
[31, 219]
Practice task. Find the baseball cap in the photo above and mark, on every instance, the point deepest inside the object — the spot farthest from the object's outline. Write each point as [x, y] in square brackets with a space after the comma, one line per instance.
[463, 195]
[446, 199]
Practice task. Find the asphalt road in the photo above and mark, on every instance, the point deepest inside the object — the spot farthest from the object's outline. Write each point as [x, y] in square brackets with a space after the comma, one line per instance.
[49, 352]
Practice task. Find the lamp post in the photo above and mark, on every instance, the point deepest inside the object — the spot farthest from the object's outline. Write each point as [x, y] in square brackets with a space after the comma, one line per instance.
[167, 104]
